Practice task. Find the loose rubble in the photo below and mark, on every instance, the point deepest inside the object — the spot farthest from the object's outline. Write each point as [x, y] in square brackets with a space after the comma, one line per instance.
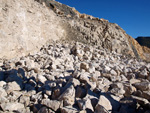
[74, 78]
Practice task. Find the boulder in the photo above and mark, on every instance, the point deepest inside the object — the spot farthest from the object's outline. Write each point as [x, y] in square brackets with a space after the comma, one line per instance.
[85, 104]
[11, 106]
[68, 96]
[143, 86]
[103, 106]
[53, 104]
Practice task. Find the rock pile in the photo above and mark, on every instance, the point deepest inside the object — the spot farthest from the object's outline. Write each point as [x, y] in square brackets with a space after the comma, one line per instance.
[74, 78]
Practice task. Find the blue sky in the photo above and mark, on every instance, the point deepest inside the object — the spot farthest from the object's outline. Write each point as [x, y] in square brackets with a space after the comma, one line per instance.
[132, 15]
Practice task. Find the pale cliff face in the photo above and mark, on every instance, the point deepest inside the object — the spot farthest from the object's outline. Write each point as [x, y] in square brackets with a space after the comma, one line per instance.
[25, 26]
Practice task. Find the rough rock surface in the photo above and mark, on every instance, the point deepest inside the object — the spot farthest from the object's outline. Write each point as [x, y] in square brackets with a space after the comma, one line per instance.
[116, 83]
[86, 72]
[27, 25]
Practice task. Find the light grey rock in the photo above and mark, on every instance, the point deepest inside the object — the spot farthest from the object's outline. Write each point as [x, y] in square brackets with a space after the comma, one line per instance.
[14, 86]
[53, 104]
[143, 86]
[2, 92]
[24, 100]
[133, 81]
[68, 96]
[85, 104]
[42, 79]
[11, 106]
[103, 105]
[113, 72]
[2, 83]
[74, 81]
[84, 77]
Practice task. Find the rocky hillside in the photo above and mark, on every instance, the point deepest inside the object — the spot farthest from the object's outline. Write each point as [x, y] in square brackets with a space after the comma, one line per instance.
[74, 78]
[55, 60]
[143, 41]
[27, 25]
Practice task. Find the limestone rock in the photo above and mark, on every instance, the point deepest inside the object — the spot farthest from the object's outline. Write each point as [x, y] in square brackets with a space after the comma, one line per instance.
[53, 104]
[143, 86]
[2, 92]
[68, 96]
[85, 104]
[12, 106]
[14, 86]
[103, 105]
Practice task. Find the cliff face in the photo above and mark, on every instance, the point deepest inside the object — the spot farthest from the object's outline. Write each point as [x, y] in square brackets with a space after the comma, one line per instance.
[27, 25]
[91, 30]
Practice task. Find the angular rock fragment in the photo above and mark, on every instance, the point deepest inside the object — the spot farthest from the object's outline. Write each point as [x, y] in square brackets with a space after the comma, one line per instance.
[68, 96]
[11, 106]
[103, 106]
[53, 104]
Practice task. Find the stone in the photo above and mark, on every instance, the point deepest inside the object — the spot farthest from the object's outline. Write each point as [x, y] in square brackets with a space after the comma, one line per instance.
[68, 96]
[143, 86]
[146, 95]
[74, 81]
[80, 92]
[11, 106]
[85, 104]
[24, 100]
[140, 100]
[53, 104]
[14, 86]
[2, 92]
[68, 109]
[42, 79]
[113, 72]
[103, 105]
[129, 89]
[132, 81]
[84, 77]
[84, 66]
[2, 83]
[56, 93]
